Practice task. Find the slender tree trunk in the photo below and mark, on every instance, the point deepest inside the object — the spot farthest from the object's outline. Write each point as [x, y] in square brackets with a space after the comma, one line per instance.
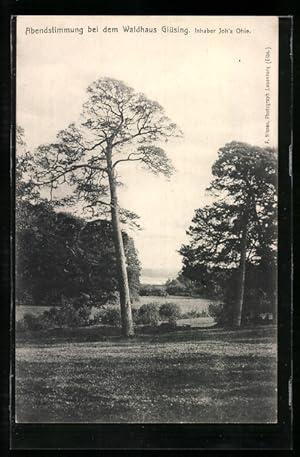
[125, 303]
[241, 278]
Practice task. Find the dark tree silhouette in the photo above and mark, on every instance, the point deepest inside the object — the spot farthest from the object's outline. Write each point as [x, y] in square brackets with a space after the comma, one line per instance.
[61, 256]
[240, 226]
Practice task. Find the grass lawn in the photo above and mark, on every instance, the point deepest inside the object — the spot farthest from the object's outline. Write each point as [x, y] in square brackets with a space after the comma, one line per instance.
[198, 375]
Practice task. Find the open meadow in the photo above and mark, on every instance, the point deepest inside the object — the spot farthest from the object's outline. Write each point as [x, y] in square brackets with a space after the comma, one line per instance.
[208, 375]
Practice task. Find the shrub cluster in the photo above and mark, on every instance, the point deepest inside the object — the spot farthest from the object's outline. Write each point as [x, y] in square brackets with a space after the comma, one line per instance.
[222, 314]
[110, 316]
[170, 312]
[30, 322]
[71, 314]
[74, 314]
[148, 314]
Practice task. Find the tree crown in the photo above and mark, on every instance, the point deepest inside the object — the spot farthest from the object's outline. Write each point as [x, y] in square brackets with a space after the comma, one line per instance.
[116, 125]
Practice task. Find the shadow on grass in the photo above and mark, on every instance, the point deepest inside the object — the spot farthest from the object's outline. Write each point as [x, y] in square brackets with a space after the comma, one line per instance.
[162, 333]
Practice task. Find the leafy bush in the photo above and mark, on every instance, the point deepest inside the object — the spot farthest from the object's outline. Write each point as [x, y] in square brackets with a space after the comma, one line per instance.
[30, 322]
[170, 312]
[71, 314]
[53, 318]
[222, 313]
[148, 314]
[97, 314]
[111, 316]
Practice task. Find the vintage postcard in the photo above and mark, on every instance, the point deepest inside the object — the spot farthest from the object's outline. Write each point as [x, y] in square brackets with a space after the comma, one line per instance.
[146, 219]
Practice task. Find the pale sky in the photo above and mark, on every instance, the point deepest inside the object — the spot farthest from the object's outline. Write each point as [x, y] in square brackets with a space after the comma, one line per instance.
[213, 85]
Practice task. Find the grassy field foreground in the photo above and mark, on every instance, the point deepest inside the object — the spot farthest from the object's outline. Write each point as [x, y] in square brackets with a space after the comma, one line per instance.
[200, 375]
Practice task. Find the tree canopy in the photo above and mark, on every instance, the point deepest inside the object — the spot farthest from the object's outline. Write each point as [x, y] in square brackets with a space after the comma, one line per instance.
[114, 118]
[238, 228]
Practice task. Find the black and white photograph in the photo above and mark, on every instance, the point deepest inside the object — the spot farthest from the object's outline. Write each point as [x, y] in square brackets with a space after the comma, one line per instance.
[146, 241]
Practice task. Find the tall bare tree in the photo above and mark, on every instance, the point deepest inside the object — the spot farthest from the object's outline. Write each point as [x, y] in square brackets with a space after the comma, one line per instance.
[117, 126]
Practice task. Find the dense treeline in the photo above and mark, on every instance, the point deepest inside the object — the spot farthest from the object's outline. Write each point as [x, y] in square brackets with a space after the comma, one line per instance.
[59, 256]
